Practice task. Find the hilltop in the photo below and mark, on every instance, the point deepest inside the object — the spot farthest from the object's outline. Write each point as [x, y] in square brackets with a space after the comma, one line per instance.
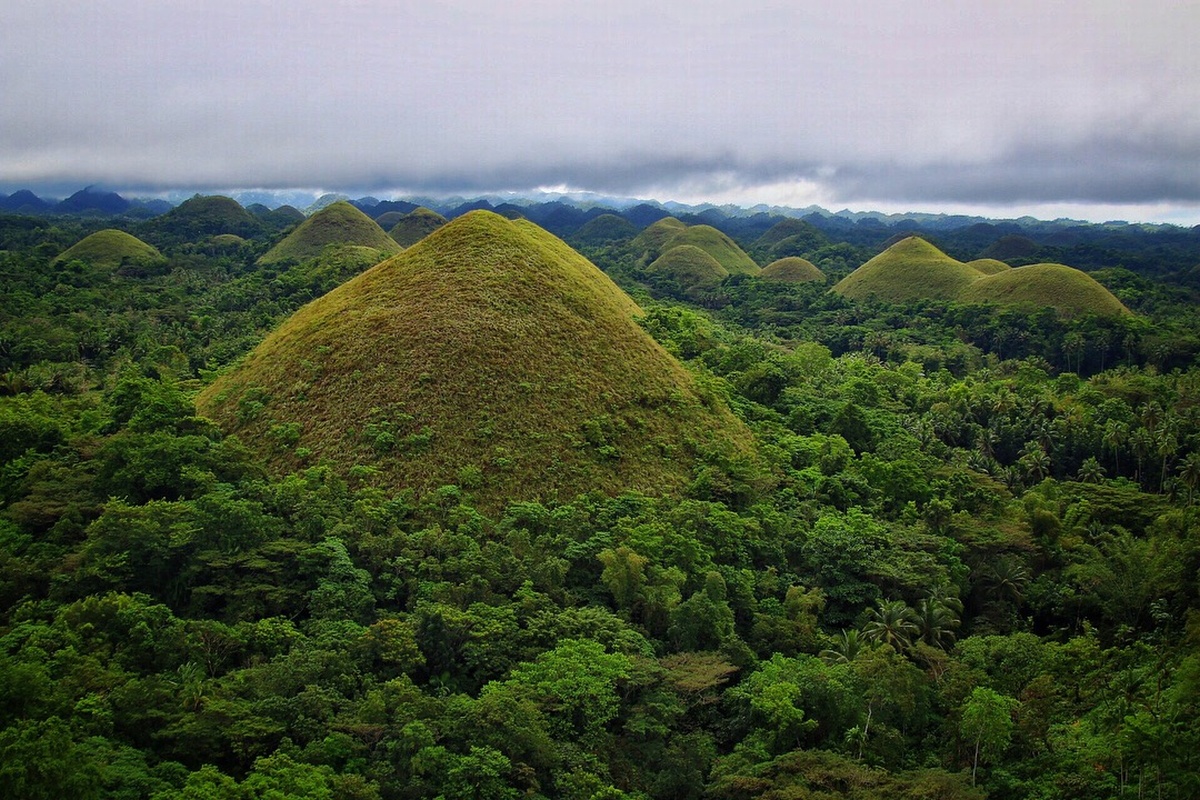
[690, 267]
[202, 217]
[792, 269]
[490, 355]
[113, 249]
[914, 269]
[339, 224]
[911, 269]
[670, 232]
[415, 226]
[1068, 291]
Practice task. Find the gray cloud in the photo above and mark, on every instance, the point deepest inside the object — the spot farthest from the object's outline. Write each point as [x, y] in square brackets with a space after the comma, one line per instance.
[850, 102]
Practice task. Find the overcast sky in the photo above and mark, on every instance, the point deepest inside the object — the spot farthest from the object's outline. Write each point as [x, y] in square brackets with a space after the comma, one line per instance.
[1088, 109]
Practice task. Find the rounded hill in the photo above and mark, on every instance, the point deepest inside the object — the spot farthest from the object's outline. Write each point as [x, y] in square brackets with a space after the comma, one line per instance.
[203, 216]
[112, 249]
[653, 239]
[792, 269]
[605, 228]
[489, 355]
[1068, 291]
[415, 226]
[910, 269]
[690, 267]
[725, 250]
[338, 223]
[988, 266]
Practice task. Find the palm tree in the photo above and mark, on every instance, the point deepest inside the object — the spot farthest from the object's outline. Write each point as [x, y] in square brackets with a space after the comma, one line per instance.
[1189, 473]
[892, 623]
[1115, 433]
[937, 620]
[1006, 578]
[845, 649]
[1142, 443]
[1091, 471]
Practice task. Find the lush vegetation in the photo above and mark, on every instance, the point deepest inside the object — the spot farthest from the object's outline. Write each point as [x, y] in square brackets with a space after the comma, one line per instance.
[961, 561]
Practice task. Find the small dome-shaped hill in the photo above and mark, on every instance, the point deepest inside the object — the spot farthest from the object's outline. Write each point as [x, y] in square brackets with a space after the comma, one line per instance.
[112, 249]
[388, 219]
[415, 226]
[202, 217]
[725, 250]
[490, 355]
[910, 269]
[605, 228]
[653, 239]
[337, 223]
[1068, 291]
[690, 267]
[792, 269]
[988, 266]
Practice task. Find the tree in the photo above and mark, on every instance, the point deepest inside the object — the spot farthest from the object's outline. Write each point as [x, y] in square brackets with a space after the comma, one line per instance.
[892, 623]
[987, 724]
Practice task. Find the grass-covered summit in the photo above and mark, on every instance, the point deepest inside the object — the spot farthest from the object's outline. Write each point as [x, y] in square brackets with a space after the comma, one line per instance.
[489, 355]
[792, 269]
[1068, 291]
[911, 269]
[415, 226]
[112, 249]
[690, 267]
[338, 223]
[670, 232]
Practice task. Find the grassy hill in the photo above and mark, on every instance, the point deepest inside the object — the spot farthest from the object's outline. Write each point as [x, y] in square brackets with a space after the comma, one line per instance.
[670, 232]
[788, 237]
[910, 269]
[415, 226]
[689, 266]
[337, 223]
[489, 355]
[1068, 291]
[112, 249]
[988, 266]
[605, 228]
[202, 217]
[792, 269]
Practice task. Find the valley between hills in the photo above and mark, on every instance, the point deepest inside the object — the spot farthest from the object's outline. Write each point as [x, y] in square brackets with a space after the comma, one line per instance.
[395, 499]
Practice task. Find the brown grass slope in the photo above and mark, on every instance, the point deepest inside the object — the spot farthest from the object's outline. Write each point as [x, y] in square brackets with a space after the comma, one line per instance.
[489, 355]
[1068, 291]
[792, 269]
[415, 226]
[338, 223]
[911, 269]
[111, 248]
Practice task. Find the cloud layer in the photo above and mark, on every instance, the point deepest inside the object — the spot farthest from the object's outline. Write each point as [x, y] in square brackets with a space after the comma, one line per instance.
[848, 103]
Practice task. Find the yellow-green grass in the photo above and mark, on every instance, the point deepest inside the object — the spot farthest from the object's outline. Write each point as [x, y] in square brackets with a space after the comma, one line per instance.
[1068, 291]
[489, 355]
[792, 269]
[415, 226]
[338, 223]
[988, 266]
[689, 266]
[605, 228]
[653, 240]
[111, 249]
[725, 250]
[911, 269]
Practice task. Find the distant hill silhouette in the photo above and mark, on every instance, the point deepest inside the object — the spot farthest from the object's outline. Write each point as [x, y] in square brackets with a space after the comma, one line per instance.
[90, 200]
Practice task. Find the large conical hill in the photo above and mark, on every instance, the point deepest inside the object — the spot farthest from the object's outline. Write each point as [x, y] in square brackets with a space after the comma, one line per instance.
[489, 355]
[415, 226]
[910, 269]
[339, 223]
[792, 269]
[112, 249]
[1068, 291]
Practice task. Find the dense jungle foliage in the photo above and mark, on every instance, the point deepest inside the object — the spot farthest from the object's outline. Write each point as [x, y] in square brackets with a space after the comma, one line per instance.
[973, 571]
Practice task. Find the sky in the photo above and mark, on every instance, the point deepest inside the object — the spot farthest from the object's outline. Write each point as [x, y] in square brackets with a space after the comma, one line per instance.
[1046, 108]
